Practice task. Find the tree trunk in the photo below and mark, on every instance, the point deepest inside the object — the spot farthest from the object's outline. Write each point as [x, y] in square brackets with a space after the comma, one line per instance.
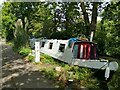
[94, 18]
[86, 18]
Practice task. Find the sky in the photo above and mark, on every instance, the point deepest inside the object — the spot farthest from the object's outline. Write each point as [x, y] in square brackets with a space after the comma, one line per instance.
[1, 1]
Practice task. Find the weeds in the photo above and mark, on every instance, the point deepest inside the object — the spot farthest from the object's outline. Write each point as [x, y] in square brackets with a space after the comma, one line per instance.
[80, 76]
[31, 58]
[24, 51]
[47, 59]
[49, 73]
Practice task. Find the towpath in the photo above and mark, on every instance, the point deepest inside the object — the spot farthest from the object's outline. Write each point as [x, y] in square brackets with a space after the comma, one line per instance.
[16, 73]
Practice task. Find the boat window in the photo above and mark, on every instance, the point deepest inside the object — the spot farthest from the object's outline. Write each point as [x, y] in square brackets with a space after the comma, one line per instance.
[61, 47]
[50, 45]
[43, 44]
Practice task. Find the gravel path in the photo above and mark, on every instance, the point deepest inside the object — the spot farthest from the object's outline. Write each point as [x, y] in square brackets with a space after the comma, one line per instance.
[16, 73]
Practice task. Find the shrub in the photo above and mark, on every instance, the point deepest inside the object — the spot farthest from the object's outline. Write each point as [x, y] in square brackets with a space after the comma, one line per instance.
[24, 51]
[31, 58]
[20, 34]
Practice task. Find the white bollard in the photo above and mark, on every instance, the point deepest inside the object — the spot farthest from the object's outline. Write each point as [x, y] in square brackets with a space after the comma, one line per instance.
[91, 36]
[37, 51]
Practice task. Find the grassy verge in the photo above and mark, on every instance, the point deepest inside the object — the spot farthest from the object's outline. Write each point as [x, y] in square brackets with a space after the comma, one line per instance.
[24, 51]
[82, 77]
[11, 43]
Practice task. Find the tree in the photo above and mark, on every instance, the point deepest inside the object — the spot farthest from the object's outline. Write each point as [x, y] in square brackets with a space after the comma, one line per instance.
[110, 26]
[113, 22]
[44, 18]
[90, 25]
[8, 21]
[68, 19]
[19, 10]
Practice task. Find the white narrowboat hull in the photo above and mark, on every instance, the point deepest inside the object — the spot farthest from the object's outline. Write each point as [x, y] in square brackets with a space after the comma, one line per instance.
[67, 55]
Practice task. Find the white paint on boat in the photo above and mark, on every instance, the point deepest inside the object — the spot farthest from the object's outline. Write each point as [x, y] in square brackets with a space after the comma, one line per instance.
[59, 49]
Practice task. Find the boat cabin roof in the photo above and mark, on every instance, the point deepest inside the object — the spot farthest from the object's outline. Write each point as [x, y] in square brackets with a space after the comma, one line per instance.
[77, 42]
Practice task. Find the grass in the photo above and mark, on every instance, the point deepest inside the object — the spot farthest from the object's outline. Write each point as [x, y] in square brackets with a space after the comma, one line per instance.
[47, 59]
[81, 76]
[78, 74]
[30, 58]
[49, 73]
[11, 43]
[24, 51]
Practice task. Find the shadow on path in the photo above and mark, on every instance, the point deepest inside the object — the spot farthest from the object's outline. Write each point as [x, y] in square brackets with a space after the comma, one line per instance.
[16, 73]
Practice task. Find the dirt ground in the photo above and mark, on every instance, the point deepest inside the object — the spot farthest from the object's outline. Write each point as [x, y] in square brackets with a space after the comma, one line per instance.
[17, 73]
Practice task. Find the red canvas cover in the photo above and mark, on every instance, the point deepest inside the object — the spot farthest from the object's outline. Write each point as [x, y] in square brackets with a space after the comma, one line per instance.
[85, 53]
[88, 53]
[84, 50]
[79, 47]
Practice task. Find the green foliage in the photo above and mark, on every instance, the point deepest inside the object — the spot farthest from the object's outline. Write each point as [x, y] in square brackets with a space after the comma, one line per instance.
[11, 43]
[43, 20]
[31, 58]
[8, 21]
[67, 67]
[78, 73]
[100, 38]
[24, 51]
[49, 73]
[73, 25]
[20, 34]
[47, 59]
[107, 35]
[82, 74]
[39, 23]
[115, 80]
